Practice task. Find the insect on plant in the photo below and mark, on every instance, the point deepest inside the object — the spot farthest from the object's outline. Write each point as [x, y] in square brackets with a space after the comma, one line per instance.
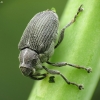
[37, 45]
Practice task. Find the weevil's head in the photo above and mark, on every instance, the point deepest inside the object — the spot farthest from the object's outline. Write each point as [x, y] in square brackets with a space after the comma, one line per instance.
[28, 61]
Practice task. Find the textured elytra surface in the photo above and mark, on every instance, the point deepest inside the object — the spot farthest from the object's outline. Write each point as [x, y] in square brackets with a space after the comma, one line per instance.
[40, 32]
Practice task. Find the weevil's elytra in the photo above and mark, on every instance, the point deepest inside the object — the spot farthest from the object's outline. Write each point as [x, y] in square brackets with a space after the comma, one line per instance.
[39, 33]
[37, 45]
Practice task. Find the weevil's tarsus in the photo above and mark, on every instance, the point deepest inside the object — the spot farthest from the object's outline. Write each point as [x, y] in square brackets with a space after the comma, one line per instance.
[68, 82]
[61, 64]
[79, 10]
[71, 22]
[89, 69]
[51, 79]
[53, 9]
[80, 86]
[58, 73]
[80, 67]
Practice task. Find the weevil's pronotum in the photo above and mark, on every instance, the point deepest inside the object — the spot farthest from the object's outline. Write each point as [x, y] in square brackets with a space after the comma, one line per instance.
[37, 45]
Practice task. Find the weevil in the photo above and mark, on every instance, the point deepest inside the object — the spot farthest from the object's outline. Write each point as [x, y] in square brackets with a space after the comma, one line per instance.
[37, 45]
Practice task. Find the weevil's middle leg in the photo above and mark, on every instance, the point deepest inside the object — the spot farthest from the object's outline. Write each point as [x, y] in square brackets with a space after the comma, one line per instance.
[58, 73]
[72, 21]
[60, 64]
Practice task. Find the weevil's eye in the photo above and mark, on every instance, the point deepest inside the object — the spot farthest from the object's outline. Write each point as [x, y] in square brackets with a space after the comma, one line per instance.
[26, 71]
[34, 62]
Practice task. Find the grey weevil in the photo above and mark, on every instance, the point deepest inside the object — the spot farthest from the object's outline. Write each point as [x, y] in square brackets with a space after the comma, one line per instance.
[37, 45]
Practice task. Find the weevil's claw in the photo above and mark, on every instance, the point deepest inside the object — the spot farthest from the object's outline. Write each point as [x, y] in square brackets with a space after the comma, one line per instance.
[80, 8]
[89, 69]
[81, 87]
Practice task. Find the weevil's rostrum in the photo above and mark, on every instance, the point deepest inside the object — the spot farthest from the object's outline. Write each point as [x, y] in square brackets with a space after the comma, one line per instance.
[37, 45]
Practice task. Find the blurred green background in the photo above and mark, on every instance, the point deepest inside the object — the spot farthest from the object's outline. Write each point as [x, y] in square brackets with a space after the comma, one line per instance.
[14, 16]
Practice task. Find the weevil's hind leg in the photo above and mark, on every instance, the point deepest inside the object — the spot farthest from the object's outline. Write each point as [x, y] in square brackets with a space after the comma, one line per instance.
[35, 77]
[58, 73]
[72, 21]
[60, 64]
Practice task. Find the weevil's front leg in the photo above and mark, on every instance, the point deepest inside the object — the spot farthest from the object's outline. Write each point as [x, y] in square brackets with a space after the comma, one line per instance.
[51, 79]
[37, 76]
[60, 64]
[58, 73]
[72, 21]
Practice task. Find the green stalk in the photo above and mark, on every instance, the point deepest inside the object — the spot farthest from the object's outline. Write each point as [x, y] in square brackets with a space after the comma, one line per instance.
[81, 46]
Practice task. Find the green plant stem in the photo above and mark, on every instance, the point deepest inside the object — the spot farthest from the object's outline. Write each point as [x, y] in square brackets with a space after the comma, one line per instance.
[81, 45]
